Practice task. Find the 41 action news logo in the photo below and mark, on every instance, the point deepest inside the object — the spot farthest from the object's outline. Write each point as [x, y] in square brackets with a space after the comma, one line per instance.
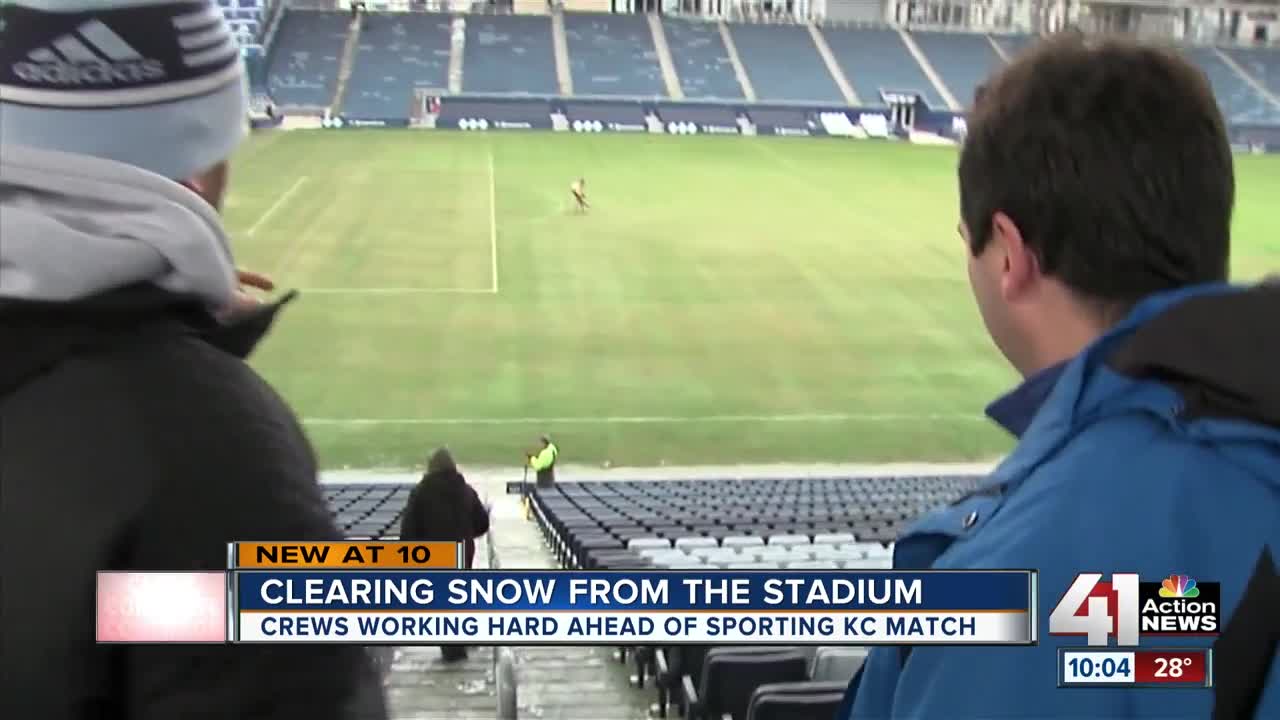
[1127, 608]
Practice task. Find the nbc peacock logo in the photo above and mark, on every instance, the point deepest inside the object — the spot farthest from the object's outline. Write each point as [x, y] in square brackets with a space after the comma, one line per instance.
[1179, 586]
[1178, 605]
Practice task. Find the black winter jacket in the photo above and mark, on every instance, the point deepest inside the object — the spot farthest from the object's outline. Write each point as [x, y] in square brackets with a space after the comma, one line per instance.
[130, 438]
[442, 506]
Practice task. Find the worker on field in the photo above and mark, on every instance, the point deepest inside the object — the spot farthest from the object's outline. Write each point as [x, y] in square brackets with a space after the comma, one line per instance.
[543, 462]
[579, 191]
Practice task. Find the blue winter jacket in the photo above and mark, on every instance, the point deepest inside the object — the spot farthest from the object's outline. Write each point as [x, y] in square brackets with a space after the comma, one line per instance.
[1156, 451]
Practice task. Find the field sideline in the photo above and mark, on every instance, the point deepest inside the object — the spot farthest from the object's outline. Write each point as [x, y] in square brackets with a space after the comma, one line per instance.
[727, 300]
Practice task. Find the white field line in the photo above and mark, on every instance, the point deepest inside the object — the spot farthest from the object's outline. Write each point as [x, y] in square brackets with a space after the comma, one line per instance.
[661, 419]
[493, 223]
[276, 205]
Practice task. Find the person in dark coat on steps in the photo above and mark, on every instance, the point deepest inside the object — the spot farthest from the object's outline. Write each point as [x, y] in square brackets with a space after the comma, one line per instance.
[443, 506]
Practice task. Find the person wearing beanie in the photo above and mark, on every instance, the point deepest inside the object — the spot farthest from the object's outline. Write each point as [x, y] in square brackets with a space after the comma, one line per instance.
[442, 506]
[133, 435]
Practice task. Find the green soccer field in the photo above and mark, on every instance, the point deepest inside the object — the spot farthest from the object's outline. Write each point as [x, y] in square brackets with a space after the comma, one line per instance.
[727, 300]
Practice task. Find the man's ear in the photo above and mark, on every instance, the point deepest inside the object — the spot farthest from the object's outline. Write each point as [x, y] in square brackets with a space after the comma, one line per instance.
[1020, 269]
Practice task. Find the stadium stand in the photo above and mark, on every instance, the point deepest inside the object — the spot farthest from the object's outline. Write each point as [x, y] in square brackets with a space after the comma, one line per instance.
[738, 524]
[1240, 102]
[876, 61]
[613, 55]
[397, 53]
[1013, 44]
[244, 17]
[784, 65]
[304, 60]
[728, 522]
[509, 54]
[701, 60]
[963, 60]
[368, 512]
[1263, 65]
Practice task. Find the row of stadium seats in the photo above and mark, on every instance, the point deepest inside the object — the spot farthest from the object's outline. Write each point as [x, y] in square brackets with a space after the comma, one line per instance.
[739, 524]
[756, 683]
[614, 55]
[754, 524]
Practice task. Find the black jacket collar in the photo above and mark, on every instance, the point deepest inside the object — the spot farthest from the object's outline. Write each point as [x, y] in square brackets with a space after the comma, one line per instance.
[36, 336]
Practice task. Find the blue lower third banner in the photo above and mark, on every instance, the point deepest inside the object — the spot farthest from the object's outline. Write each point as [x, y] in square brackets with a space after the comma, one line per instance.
[530, 607]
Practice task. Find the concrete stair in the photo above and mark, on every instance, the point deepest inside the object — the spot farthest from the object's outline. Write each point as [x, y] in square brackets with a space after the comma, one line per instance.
[929, 72]
[833, 67]
[563, 74]
[457, 50]
[739, 70]
[668, 65]
[348, 61]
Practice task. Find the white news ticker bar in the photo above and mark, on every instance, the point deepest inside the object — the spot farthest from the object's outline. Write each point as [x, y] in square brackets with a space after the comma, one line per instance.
[533, 628]
[1089, 668]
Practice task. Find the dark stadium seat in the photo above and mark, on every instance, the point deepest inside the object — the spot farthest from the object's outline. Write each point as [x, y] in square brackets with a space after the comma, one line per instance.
[796, 701]
[729, 678]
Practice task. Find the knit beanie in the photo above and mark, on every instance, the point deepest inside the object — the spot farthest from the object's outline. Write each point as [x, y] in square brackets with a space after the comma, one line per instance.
[158, 84]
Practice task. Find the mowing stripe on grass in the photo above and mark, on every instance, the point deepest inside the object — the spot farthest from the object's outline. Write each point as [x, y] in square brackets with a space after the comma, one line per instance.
[276, 205]
[395, 291]
[661, 419]
[493, 223]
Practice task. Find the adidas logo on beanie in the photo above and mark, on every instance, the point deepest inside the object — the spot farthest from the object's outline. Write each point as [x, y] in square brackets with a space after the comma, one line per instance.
[157, 84]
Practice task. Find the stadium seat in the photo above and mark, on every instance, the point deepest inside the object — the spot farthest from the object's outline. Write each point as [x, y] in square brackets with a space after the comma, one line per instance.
[687, 543]
[648, 542]
[730, 678]
[743, 541]
[787, 540]
[762, 565]
[837, 664]
[808, 700]
[715, 554]
[867, 564]
[813, 565]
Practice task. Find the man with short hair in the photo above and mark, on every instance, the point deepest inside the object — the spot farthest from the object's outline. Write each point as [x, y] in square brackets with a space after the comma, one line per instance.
[133, 435]
[1096, 191]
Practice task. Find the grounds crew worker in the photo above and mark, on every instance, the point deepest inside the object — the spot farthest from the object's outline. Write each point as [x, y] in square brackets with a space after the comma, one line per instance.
[544, 463]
